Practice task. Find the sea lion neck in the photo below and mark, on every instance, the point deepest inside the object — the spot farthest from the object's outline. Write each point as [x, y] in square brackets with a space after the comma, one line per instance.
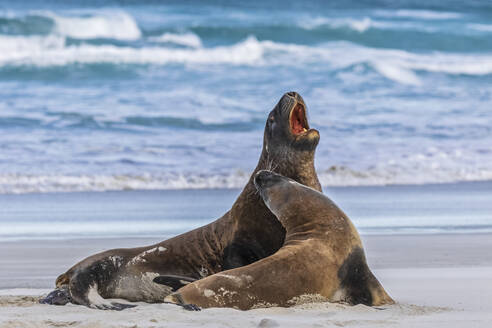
[311, 215]
[296, 165]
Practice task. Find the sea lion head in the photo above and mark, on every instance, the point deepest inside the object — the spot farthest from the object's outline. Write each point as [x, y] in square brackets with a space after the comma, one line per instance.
[287, 128]
[278, 192]
[265, 180]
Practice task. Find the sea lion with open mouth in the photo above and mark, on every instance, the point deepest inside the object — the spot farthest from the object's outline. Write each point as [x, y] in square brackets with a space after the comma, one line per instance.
[321, 258]
[246, 233]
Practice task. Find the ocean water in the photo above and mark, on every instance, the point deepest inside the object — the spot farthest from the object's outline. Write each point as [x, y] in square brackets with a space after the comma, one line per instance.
[117, 95]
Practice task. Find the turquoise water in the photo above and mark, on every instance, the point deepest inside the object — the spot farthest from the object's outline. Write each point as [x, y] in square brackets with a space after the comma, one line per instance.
[113, 95]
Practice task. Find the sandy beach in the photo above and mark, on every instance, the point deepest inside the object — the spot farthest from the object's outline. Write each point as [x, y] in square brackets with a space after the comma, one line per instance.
[437, 280]
[441, 279]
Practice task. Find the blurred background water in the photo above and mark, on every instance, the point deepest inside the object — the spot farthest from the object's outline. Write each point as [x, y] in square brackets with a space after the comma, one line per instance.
[113, 95]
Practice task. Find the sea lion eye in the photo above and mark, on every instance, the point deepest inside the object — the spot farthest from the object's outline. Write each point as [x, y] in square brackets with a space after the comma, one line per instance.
[271, 123]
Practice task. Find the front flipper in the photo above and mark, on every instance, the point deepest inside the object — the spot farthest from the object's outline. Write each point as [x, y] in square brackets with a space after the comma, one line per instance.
[176, 299]
[59, 296]
[173, 281]
[95, 301]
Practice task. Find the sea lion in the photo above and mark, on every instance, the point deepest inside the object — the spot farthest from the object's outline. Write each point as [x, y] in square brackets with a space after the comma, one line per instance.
[322, 258]
[245, 234]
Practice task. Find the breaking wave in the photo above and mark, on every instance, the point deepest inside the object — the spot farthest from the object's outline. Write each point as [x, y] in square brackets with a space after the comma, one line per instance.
[53, 51]
[116, 25]
[397, 65]
[333, 176]
[359, 25]
[185, 39]
[419, 14]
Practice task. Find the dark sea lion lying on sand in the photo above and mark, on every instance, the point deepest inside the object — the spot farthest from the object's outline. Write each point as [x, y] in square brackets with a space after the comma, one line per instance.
[246, 233]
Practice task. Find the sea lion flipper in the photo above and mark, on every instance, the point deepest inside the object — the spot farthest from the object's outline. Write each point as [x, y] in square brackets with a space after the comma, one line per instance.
[59, 296]
[359, 283]
[173, 281]
[191, 307]
[121, 306]
[177, 299]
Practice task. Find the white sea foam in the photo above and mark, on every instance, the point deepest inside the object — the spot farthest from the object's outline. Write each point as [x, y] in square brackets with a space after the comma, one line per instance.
[419, 14]
[344, 54]
[397, 65]
[186, 39]
[480, 27]
[51, 51]
[417, 171]
[13, 48]
[397, 73]
[114, 25]
[17, 183]
[362, 24]
[404, 176]
[391, 63]
[359, 25]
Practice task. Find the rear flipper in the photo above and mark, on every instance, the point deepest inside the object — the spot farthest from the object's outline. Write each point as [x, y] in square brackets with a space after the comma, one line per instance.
[59, 296]
[91, 298]
[173, 281]
[358, 284]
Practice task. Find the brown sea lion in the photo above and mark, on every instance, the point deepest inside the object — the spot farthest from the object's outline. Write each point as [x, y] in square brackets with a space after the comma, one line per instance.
[245, 234]
[322, 257]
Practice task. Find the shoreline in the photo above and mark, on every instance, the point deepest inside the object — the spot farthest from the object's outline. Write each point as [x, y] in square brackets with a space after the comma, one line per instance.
[392, 210]
[453, 184]
[37, 263]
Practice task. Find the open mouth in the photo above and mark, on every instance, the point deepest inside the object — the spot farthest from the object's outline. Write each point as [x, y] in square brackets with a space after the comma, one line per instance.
[298, 121]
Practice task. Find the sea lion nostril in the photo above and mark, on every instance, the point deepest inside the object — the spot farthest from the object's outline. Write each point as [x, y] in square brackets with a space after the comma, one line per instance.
[292, 94]
[259, 178]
